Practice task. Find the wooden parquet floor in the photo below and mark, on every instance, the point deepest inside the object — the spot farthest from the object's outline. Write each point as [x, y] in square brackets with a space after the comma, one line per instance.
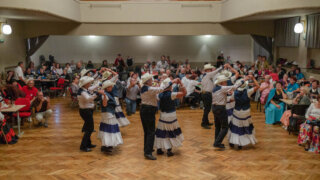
[53, 153]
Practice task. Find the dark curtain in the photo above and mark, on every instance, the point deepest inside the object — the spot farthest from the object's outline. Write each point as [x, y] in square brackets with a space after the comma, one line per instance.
[284, 35]
[265, 42]
[313, 31]
[33, 44]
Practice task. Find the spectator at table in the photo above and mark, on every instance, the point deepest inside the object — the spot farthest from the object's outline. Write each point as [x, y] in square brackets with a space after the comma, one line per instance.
[104, 64]
[162, 64]
[309, 136]
[274, 108]
[59, 70]
[68, 68]
[314, 91]
[28, 74]
[301, 99]
[13, 91]
[299, 74]
[78, 68]
[274, 75]
[145, 69]
[280, 72]
[292, 72]
[18, 74]
[42, 109]
[42, 74]
[285, 81]
[29, 90]
[193, 91]
[10, 75]
[293, 86]
[263, 64]
[181, 72]
[32, 68]
[265, 88]
[90, 65]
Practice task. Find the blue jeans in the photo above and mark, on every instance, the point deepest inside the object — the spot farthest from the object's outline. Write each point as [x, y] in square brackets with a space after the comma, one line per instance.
[131, 106]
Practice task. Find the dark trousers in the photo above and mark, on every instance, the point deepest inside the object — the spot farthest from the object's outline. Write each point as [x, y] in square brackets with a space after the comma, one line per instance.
[148, 119]
[207, 102]
[220, 122]
[196, 98]
[88, 126]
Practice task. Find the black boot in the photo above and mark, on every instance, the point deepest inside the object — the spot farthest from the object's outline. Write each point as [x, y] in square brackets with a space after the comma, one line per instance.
[169, 153]
[231, 145]
[160, 152]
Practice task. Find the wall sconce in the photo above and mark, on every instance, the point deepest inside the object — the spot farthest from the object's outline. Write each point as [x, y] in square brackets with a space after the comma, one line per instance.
[300, 27]
[6, 29]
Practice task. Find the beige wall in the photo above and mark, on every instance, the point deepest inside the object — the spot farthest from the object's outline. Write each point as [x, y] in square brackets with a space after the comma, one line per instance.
[198, 49]
[13, 49]
[33, 29]
[315, 55]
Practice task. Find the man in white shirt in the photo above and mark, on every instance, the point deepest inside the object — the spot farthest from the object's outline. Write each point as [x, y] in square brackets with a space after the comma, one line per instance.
[162, 64]
[18, 74]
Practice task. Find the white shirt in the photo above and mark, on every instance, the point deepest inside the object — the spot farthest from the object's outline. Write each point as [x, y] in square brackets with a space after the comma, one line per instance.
[207, 81]
[59, 71]
[185, 81]
[18, 73]
[191, 86]
[161, 65]
[86, 99]
[149, 97]
[219, 97]
[313, 111]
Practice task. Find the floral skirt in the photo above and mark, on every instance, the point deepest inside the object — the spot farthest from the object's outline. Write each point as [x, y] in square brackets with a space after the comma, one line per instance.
[310, 134]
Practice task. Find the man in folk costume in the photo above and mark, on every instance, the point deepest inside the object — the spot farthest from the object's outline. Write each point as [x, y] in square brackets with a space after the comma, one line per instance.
[219, 101]
[207, 87]
[86, 105]
[149, 104]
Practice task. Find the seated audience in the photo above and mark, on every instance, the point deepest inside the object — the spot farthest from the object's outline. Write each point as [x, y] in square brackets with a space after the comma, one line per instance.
[90, 65]
[162, 64]
[10, 75]
[42, 74]
[18, 74]
[285, 80]
[314, 92]
[274, 108]
[293, 87]
[193, 91]
[309, 134]
[292, 72]
[301, 99]
[28, 74]
[42, 109]
[274, 75]
[299, 74]
[104, 64]
[265, 88]
[75, 86]
[58, 69]
[29, 90]
[68, 68]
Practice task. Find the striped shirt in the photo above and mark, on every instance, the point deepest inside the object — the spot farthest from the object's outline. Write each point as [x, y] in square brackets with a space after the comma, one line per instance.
[149, 95]
[207, 80]
[219, 94]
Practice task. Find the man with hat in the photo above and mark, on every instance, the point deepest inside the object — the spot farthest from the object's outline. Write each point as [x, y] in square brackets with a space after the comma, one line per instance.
[207, 87]
[86, 105]
[148, 110]
[219, 101]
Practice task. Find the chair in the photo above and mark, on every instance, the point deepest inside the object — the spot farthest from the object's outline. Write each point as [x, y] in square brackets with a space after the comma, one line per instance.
[24, 112]
[59, 87]
[295, 122]
[74, 100]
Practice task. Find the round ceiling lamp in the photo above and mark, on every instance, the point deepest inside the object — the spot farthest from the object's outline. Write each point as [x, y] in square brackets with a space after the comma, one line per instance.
[298, 28]
[6, 29]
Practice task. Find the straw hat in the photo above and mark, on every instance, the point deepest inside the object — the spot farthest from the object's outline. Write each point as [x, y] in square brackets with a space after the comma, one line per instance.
[243, 86]
[146, 77]
[107, 84]
[166, 83]
[85, 80]
[106, 75]
[226, 73]
[84, 72]
[208, 66]
[221, 78]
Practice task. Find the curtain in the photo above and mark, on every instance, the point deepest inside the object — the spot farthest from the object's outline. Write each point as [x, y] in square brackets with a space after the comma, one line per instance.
[264, 42]
[313, 31]
[284, 34]
[33, 44]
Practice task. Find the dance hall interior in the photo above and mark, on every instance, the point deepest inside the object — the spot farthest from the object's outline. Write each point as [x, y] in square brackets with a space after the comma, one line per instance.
[159, 89]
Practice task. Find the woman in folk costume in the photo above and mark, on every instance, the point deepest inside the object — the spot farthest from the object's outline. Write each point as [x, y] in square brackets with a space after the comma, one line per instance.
[168, 133]
[230, 96]
[86, 105]
[241, 129]
[109, 132]
[122, 120]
